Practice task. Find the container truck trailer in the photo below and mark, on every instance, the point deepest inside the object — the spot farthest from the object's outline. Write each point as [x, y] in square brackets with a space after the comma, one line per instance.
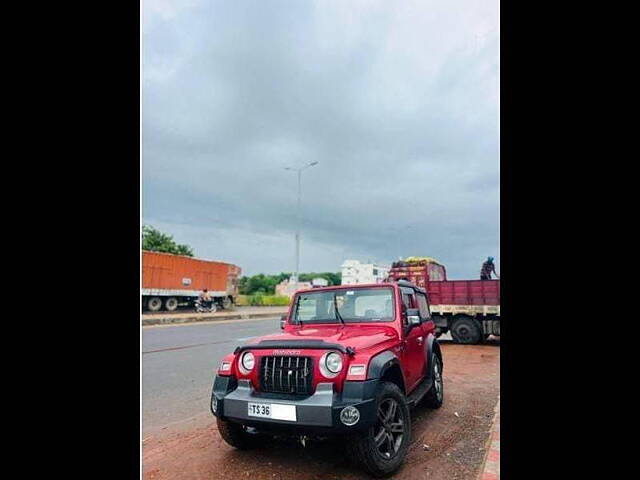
[170, 281]
[469, 309]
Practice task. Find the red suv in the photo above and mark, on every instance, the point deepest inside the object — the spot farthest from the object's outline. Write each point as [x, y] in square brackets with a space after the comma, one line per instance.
[351, 361]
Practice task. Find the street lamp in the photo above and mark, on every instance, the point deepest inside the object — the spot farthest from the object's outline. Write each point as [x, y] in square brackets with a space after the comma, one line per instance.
[299, 170]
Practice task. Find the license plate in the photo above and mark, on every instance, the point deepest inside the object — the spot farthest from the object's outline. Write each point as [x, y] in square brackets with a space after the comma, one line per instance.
[276, 411]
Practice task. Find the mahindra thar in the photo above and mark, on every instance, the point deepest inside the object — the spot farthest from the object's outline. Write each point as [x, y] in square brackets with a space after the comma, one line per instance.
[351, 362]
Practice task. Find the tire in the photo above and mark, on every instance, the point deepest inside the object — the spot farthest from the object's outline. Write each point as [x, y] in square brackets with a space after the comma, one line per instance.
[171, 304]
[235, 434]
[435, 395]
[226, 303]
[466, 330]
[381, 449]
[154, 304]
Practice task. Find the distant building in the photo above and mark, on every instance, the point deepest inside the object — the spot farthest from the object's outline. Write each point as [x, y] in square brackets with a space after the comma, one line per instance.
[287, 289]
[319, 282]
[355, 272]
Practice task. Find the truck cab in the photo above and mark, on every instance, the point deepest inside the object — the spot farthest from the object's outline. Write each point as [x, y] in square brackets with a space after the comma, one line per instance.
[350, 360]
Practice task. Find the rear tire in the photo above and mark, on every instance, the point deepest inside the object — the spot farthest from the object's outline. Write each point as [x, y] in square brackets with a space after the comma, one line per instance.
[466, 330]
[235, 434]
[381, 449]
[154, 304]
[171, 304]
[226, 303]
[435, 395]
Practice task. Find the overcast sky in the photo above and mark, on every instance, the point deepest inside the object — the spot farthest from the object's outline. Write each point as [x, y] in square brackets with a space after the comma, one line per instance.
[397, 101]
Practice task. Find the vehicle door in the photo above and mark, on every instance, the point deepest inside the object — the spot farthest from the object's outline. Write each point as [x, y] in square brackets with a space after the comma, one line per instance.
[412, 342]
[428, 325]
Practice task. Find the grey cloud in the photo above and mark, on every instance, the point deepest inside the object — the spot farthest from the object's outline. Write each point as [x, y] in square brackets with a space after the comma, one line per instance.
[398, 103]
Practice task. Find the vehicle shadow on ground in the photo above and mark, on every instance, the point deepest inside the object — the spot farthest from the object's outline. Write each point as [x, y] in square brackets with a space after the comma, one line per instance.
[284, 459]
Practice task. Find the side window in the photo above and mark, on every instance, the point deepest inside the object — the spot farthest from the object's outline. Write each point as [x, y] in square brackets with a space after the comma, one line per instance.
[408, 299]
[422, 305]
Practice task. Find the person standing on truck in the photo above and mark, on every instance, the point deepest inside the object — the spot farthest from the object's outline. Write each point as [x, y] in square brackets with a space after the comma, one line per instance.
[488, 267]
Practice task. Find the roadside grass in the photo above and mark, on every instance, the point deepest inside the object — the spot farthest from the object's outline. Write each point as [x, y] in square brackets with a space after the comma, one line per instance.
[259, 300]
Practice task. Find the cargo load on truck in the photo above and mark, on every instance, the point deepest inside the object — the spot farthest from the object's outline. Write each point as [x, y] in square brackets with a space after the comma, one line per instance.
[170, 281]
[469, 309]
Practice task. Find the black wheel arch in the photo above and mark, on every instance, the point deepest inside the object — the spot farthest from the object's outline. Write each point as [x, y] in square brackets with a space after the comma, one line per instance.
[432, 347]
[385, 366]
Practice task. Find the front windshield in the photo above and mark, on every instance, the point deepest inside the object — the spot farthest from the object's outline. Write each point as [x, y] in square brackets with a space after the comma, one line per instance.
[354, 305]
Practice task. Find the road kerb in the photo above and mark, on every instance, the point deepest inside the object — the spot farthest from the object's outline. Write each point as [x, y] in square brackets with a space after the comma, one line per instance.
[491, 467]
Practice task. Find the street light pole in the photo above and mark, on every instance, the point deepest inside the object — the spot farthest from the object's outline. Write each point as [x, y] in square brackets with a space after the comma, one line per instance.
[299, 217]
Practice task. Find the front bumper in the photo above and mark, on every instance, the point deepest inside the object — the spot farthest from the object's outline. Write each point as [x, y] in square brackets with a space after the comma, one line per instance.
[318, 413]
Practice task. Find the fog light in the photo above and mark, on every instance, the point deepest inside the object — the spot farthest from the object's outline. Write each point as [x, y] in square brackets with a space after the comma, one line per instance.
[214, 404]
[349, 416]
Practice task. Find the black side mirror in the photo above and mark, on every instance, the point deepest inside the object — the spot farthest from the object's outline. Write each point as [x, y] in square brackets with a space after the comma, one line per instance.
[283, 321]
[413, 317]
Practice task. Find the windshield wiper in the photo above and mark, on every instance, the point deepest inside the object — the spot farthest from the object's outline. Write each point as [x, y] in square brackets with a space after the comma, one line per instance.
[335, 307]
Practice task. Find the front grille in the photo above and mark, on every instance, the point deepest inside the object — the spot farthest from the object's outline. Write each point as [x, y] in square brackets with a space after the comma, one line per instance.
[292, 375]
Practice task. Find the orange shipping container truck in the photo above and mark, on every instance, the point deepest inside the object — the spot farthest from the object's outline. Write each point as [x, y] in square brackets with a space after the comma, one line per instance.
[171, 280]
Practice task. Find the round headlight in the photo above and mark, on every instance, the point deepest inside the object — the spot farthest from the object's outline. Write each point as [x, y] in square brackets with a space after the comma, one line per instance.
[334, 362]
[248, 361]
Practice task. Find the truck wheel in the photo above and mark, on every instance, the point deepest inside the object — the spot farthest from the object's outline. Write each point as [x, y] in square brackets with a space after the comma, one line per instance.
[466, 330]
[226, 303]
[235, 434]
[171, 303]
[381, 449]
[154, 304]
[435, 395]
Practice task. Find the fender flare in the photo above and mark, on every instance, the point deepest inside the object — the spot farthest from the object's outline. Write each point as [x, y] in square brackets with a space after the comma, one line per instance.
[432, 346]
[382, 362]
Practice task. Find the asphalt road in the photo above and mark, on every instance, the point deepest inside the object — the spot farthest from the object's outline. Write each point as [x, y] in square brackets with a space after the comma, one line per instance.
[178, 364]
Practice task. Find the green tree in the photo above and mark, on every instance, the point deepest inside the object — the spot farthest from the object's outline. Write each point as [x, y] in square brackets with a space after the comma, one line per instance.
[266, 284]
[154, 240]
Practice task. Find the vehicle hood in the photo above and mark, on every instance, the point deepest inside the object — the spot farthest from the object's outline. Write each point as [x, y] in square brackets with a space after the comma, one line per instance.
[359, 337]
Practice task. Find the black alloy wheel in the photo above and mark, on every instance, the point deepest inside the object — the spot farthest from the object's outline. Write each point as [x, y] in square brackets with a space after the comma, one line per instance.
[389, 429]
[382, 447]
